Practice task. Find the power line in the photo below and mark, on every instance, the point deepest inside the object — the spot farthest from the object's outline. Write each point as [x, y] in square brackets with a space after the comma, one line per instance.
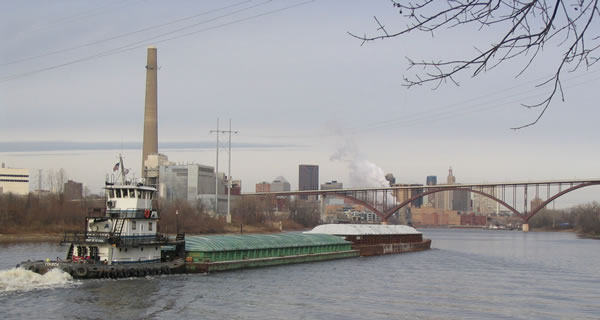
[84, 14]
[128, 48]
[89, 44]
[446, 111]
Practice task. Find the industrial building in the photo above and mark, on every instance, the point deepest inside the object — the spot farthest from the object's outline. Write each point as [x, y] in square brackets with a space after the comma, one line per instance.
[13, 180]
[192, 182]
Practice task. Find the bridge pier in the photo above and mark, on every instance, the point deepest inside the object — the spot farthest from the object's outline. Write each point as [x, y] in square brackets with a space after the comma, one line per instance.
[525, 227]
[323, 208]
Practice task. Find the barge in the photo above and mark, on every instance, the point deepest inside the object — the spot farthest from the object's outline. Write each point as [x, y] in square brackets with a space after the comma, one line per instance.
[206, 254]
[377, 239]
[120, 240]
[228, 252]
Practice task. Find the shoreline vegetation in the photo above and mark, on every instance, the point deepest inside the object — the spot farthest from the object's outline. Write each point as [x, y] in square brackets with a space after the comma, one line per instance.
[41, 218]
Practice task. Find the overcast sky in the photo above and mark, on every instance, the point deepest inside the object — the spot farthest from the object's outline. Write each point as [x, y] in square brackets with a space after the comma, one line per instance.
[297, 87]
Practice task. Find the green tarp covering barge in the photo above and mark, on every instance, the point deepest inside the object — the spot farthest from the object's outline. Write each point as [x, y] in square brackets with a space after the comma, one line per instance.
[228, 252]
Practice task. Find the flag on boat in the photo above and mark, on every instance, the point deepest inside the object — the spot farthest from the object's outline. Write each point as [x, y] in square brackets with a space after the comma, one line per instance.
[116, 167]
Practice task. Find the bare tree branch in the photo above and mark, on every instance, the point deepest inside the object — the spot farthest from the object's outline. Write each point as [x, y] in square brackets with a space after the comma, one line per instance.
[529, 25]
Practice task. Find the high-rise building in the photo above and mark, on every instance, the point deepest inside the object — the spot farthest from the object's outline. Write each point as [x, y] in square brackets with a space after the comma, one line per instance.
[414, 192]
[444, 199]
[73, 190]
[332, 200]
[280, 184]
[461, 201]
[431, 181]
[451, 178]
[14, 180]
[484, 205]
[333, 185]
[402, 195]
[308, 178]
[263, 187]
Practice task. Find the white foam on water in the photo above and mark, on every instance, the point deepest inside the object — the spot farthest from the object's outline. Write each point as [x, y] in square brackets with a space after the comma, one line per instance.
[19, 279]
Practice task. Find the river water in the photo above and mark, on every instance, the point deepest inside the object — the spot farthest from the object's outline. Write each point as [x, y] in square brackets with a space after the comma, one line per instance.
[469, 274]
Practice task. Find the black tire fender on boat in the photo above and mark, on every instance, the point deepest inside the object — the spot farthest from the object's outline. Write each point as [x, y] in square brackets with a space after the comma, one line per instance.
[81, 272]
[32, 269]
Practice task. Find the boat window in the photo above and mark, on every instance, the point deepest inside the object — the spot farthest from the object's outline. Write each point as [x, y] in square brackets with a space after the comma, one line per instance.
[139, 194]
[132, 193]
[149, 226]
[149, 196]
[111, 193]
[118, 191]
[133, 225]
[125, 193]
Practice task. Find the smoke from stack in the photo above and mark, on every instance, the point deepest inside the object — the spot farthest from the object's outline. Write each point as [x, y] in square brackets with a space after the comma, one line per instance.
[362, 172]
[150, 144]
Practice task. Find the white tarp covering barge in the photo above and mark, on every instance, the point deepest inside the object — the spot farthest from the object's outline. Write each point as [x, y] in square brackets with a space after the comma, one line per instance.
[362, 229]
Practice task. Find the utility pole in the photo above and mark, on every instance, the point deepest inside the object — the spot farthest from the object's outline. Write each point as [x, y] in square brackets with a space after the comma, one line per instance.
[217, 170]
[228, 178]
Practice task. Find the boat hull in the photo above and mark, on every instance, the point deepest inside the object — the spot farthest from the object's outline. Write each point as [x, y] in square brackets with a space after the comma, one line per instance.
[98, 270]
[391, 248]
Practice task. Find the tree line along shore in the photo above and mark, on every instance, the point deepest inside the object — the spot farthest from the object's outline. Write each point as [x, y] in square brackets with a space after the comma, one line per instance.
[46, 217]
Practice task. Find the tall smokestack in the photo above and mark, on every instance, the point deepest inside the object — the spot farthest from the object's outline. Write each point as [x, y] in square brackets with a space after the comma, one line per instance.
[151, 109]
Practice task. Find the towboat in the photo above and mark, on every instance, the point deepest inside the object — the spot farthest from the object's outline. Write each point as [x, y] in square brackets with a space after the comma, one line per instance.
[120, 240]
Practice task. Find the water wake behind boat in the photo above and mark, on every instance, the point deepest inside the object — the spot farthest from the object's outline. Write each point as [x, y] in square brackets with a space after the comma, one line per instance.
[18, 279]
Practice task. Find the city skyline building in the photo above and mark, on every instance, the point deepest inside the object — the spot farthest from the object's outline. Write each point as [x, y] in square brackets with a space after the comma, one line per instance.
[308, 179]
[333, 185]
[263, 187]
[280, 184]
[73, 190]
[431, 181]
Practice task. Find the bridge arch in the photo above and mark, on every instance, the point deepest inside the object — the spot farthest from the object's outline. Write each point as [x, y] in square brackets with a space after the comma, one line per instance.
[554, 197]
[390, 212]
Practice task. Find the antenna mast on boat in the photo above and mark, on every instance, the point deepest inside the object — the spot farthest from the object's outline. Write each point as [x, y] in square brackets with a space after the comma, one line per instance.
[122, 169]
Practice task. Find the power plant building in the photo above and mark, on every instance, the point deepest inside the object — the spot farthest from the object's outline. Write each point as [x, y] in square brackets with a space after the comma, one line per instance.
[192, 182]
[15, 181]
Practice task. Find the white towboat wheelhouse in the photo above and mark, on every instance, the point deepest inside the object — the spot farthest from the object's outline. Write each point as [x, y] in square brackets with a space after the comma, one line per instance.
[125, 231]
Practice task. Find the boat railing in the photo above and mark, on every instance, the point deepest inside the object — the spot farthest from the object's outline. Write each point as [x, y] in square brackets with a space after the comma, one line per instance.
[132, 213]
[111, 238]
[79, 237]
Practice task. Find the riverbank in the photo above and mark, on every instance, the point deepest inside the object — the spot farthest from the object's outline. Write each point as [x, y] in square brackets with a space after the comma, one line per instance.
[589, 236]
[228, 229]
[30, 237]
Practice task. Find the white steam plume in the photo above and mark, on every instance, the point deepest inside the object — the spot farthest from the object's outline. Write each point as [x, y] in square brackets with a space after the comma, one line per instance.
[362, 172]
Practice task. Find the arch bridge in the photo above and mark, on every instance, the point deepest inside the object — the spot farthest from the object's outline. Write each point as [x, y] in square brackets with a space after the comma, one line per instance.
[385, 201]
